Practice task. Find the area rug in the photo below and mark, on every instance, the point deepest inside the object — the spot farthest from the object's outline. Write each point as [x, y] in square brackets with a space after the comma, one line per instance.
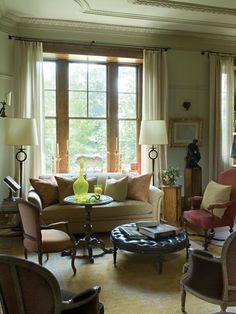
[134, 286]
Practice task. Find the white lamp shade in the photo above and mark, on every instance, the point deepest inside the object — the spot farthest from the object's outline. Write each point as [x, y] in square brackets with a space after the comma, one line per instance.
[21, 131]
[153, 132]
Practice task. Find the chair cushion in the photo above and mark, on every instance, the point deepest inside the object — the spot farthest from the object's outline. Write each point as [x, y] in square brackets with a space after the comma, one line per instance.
[216, 193]
[55, 240]
[117, 189]
[47, 189]
[202, 218]
[138, 187]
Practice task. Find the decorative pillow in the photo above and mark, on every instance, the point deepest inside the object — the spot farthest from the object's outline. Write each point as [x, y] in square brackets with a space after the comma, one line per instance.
[47, 190]
[138, 187]
[65, 187]
[216, 193]
[117, 189]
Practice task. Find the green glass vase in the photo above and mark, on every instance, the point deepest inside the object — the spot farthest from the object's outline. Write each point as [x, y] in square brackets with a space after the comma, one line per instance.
[81, 186]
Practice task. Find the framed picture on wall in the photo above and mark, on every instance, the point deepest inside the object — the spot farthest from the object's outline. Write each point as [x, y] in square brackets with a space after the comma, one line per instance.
[183, 131]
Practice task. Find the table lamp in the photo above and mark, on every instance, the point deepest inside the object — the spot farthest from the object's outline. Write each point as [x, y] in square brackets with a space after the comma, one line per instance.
[21, 132]
[153, 133]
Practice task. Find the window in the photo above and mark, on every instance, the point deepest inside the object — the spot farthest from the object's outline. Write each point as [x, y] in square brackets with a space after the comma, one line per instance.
[92, 109]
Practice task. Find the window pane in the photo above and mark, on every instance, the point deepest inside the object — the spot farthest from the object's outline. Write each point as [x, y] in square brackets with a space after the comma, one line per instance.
[50, 144]
[49, 74]
[97, 77]
[78, 104]
[127, 105]
[127, 79]
[127, 143]
[97, 104]
[50, 103]
[78, 76]
[87, 137]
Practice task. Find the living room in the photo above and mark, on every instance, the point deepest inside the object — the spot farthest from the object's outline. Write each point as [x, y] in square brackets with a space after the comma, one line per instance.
[135, 25]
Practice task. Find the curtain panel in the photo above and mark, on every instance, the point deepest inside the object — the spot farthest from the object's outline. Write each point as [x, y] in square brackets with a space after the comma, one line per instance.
[155, 103]
[29, 101]
[221, 108]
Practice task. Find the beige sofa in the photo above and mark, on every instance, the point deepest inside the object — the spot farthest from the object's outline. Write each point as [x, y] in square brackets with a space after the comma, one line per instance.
[106, 217]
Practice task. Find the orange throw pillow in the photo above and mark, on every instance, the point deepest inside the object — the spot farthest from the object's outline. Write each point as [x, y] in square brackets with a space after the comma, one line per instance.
[138, 187]
[47, 190]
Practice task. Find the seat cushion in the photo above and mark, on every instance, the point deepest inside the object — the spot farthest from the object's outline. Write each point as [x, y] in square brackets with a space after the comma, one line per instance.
[202, 219]
[55, 240]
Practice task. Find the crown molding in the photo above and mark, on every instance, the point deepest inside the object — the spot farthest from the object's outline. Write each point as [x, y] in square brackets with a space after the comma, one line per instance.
[172, 4]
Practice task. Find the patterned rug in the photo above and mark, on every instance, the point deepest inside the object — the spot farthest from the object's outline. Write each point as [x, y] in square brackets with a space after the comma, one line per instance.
[134, 286]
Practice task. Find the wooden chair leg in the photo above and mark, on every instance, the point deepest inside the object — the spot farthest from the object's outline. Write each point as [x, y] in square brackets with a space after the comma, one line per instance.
[183, 299]
[73, 260]
[26, 254]
[231, 229]
[206, 240]
[40, 258]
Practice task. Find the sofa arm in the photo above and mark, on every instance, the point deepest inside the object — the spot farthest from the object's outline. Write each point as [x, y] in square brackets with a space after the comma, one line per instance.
[34, 198]
[155, 198]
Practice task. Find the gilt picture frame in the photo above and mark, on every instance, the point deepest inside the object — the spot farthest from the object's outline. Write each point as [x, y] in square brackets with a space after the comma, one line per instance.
[183, 131]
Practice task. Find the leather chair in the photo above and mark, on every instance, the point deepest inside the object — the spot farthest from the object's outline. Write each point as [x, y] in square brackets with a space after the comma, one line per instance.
[43, 239]
[211, 279]
[206, 220]
[28, 288]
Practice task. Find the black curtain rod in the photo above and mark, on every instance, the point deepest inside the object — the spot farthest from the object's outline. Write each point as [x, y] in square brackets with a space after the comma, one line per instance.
[92, 43]
[219, 53]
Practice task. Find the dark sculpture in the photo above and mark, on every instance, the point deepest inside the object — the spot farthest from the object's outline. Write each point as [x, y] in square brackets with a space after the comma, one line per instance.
[193, 155]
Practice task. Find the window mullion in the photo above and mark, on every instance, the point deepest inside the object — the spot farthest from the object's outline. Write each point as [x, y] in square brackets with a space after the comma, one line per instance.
[62, 111]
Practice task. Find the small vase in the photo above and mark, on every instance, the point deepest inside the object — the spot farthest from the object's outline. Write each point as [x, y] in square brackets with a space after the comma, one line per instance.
[81, 186]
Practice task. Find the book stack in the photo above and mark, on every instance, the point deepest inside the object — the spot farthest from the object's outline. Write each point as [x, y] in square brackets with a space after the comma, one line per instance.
[159, 231]
[132, 233]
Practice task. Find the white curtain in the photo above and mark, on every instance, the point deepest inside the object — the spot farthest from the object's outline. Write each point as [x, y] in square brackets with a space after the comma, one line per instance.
[154, 106]
[29, 101]
[221, 104]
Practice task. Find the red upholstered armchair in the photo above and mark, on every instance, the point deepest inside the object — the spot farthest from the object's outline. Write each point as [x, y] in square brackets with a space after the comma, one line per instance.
[207, 220]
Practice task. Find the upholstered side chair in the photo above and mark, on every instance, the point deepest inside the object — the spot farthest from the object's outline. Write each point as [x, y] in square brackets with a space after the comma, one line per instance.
[43, 239]
[211, 279]
[207, 220]
[28, 288]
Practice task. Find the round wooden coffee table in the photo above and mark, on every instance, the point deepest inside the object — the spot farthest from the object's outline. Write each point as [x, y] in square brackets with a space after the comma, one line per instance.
[160, 247]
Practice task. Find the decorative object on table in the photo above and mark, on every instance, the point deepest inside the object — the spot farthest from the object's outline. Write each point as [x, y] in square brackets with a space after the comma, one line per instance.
[13, 187]
[170, 175]
[192, 172]
[5, 102]
[233, 151]
[98, 189]
[153, 133]
[159, 231]
[21, 132]
[81, 186]
[182, 131]
[193, 155]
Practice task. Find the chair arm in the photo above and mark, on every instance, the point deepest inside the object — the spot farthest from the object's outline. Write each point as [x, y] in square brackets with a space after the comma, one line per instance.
[82, 298]
[155, 198]
[201, 253]
[194, 199]
[220, 205]
[55, 225]
[34, 198]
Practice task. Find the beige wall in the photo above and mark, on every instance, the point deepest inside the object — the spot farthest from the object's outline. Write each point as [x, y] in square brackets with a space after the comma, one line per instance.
[6, 84]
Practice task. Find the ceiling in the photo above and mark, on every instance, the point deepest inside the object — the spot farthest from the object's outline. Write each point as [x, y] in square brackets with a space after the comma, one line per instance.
[202, 16]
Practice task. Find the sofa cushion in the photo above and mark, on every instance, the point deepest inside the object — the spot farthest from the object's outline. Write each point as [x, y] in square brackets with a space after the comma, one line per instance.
[65, 187]
[138, 187]
[117, 189]
[47, 190]
[216, 193]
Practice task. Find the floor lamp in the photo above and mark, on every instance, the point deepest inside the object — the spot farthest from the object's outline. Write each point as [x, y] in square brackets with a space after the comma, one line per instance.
[153, 133]
[21, 132]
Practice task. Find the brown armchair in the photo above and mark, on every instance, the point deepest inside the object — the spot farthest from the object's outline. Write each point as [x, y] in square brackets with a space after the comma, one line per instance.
[26, 287]
[43, 239]
[206, 220]
[211, 279]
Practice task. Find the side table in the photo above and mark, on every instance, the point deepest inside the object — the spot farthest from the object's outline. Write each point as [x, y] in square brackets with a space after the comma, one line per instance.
[9, 228]
[89, 241]
[172, 208]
